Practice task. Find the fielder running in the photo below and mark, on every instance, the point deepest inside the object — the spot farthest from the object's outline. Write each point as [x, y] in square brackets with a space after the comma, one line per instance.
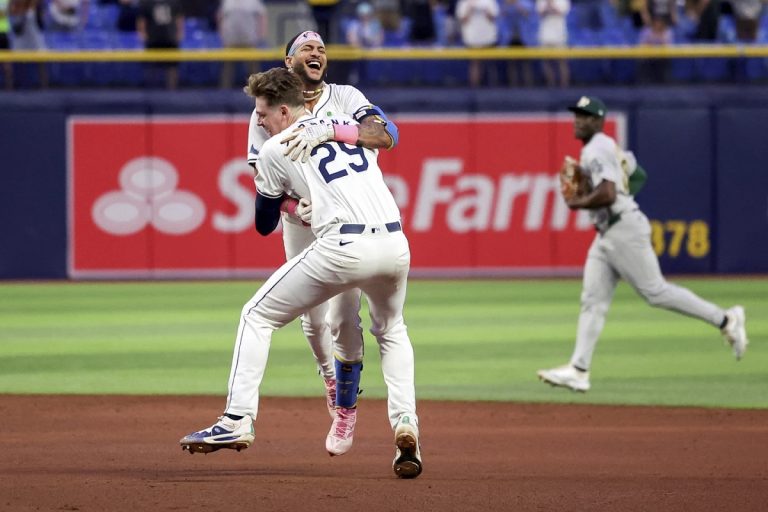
[339, 318]
[360, 244]
[621, 249]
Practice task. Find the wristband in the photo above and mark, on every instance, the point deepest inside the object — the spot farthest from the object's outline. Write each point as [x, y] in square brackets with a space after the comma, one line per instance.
[347, 133]
[289, 205]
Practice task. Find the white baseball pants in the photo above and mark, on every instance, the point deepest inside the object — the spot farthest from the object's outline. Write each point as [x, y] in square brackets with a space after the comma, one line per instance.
[375, 262]
[624, 251]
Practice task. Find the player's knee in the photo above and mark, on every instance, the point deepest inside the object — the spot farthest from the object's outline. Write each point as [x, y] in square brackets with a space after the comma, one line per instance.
[654, 296]
[595, 302]
[345, 327]
[312, 328]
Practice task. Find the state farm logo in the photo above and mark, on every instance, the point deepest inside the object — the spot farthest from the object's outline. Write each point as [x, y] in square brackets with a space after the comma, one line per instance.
[148, 195]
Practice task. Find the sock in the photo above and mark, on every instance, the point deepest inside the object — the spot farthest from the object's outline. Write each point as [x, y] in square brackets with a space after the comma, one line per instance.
[580, 369]
[233, 416]
[724, 322]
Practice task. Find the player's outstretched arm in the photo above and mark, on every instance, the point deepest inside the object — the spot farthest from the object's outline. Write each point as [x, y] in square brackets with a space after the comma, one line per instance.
[375, 131]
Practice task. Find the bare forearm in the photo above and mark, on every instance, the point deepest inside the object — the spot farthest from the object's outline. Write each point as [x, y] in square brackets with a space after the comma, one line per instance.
[604, 195]
[373, 135]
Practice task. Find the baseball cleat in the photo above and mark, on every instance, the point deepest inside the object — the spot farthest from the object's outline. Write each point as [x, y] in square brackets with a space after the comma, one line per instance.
[225, 433]
[330, 396]
[735, 331]
[566, 376]
[339, 440]
[407, 463]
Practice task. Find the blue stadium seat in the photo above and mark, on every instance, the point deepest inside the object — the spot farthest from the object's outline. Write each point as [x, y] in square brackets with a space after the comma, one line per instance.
[102, 16]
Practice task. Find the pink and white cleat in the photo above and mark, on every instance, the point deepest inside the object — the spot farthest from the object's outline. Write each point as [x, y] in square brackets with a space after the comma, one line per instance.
[339, 439]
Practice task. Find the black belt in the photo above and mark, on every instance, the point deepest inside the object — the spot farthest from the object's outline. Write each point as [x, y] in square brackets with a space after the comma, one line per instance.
[357, 229]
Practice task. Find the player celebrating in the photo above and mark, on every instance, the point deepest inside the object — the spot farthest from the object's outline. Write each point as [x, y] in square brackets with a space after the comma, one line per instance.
[305, 56]
[359, 244]
[621, 249]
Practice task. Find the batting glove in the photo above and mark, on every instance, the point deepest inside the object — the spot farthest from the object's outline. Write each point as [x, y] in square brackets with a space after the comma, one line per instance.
[303, 141]
[304, 211]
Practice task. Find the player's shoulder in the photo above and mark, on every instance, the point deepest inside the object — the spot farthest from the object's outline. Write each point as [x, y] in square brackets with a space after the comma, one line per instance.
[343, 89]
[601, 143]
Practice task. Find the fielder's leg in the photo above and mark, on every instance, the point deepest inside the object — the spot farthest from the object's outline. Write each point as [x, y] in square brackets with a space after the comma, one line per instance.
[636, 261]
[599, 283]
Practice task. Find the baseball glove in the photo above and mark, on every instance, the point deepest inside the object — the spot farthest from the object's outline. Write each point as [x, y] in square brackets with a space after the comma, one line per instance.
[571, 178]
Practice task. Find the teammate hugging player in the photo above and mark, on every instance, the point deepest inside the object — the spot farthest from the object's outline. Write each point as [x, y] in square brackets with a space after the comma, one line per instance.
[339, 318]
[360, 244]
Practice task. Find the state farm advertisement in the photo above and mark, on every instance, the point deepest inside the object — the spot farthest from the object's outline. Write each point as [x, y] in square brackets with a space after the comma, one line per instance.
[159, 196]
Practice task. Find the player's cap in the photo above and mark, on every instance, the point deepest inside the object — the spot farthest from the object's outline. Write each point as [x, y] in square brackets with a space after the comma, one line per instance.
[589, 105]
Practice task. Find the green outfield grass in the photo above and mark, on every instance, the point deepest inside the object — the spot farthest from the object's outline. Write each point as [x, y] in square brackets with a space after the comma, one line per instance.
[474, 340]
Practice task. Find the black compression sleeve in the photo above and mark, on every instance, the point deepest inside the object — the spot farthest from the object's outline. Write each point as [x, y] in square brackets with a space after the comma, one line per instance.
[267, 213]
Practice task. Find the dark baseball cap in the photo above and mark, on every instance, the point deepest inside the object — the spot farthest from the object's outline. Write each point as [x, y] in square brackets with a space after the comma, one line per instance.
[589, 105]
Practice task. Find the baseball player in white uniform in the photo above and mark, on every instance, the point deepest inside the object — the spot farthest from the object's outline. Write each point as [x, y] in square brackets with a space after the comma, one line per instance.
[359, 244]
[622, 250]
[339, 318]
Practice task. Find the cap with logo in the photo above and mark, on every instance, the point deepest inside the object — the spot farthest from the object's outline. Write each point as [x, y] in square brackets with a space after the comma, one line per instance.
[589, 105]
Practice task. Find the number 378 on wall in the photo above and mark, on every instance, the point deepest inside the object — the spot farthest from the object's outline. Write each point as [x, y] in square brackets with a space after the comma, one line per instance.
[673, 236]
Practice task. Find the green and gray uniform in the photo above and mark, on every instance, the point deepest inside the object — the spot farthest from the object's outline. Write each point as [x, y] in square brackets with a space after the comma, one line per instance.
[622, 250]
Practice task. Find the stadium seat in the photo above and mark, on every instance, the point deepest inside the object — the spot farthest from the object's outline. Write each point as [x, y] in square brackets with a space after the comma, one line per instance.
[102, 16]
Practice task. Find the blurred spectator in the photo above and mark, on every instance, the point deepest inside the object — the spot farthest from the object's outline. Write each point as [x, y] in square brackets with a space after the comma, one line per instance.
[66, 15]
[660, 13]
[365, 30]
[26, 28]
[26, 31]
[704, 14]
[126, 15]
[657, 33]
[5, 42]
[514, 15]
[747, 15]
[324, 12]
[553, 33]
[477, 19]
[422, 16]
[389, 14]
[633, 9]
[160, 24]
[590, 14]
[242, 24]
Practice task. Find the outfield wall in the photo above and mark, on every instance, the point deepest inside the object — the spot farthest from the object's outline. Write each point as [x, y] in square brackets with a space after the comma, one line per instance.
[474, 175]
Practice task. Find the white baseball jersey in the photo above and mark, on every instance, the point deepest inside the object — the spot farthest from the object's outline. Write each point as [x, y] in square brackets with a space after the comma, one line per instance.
[600, 160]
[335, 100]
[344, 182]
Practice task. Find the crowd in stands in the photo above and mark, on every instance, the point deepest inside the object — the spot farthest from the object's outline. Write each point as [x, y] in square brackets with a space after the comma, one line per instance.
[200, 24]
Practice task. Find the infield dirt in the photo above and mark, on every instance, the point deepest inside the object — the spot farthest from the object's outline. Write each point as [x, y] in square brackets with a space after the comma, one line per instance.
[121, 453]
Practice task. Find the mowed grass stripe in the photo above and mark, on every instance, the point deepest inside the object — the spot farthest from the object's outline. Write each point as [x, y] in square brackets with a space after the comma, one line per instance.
[474, 340]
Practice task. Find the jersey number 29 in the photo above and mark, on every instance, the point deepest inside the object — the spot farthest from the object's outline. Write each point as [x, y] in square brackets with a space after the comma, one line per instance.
[335, 165]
